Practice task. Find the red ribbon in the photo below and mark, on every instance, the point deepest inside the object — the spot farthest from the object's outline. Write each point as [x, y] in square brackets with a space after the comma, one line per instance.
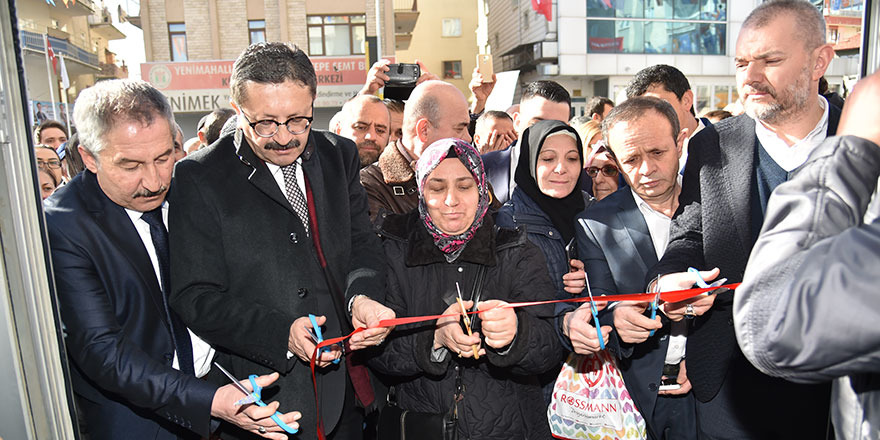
[669, 297]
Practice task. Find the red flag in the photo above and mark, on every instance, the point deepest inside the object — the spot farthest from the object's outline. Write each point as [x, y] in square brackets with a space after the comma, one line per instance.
[51, 54]
[544, 7]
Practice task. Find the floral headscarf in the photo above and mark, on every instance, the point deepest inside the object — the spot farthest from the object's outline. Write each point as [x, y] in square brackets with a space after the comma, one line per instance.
[452, 245]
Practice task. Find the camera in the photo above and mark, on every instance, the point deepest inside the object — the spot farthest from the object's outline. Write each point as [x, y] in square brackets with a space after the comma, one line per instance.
[402, 75]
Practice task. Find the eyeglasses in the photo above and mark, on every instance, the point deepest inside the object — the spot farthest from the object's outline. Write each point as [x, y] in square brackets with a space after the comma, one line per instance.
[607, 170]
[51, 163]
[269, 127]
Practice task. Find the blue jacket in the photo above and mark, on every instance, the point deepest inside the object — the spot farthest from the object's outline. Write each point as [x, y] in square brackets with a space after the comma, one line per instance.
[521, 210]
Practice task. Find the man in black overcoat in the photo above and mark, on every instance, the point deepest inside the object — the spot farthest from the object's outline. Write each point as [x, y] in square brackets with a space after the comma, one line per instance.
[269, 225]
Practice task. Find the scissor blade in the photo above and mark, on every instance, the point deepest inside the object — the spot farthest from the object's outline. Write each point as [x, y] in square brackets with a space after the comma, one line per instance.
[234, 380]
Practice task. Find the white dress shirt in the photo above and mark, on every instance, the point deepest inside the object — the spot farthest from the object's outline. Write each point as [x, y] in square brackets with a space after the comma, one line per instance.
[278, 175]
[658, 227]
[203, 353]
[791, 157]
[682, 161]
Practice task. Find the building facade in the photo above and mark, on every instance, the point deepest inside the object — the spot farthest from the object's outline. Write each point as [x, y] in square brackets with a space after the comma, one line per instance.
[190, 46]
[77, 31]
[445, 39]
[594, 47]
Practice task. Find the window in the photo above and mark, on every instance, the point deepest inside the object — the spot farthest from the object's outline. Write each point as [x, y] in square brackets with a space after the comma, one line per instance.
[711, 10]
[257, 31]
[452, 69]
[657, 26]
[177, 39]
[334, 35]
[451, 27]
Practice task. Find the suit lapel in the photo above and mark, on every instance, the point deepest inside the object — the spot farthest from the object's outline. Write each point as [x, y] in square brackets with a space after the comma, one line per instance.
[638, 231]
[116, 223]
[313, 171]
[737, 145]
[258, 173]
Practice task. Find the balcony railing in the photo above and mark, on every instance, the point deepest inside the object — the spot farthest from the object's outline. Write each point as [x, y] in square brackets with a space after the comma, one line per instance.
[34, 41]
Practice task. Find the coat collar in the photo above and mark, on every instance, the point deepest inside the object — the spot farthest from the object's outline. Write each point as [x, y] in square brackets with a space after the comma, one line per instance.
[395, 167]
[420, 247]
[259, 174]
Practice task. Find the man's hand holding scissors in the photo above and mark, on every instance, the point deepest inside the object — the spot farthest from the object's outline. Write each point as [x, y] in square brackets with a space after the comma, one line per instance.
[301, 342]
[253, 418]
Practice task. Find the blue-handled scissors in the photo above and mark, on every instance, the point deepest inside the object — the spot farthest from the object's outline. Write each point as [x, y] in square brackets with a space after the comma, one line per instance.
[655, 303]
[701, 283]
[254, 397]
[595, 311]
[316, 335]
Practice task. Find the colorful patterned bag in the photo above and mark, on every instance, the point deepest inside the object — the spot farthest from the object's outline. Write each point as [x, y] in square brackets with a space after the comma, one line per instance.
[590, 401]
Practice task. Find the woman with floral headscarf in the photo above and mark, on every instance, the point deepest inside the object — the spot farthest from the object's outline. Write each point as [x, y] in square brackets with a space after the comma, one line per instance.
[450, 245]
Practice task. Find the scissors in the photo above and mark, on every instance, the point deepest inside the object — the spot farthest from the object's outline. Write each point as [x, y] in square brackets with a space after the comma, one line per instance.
[595, 311]
[656, 290]
[317, 337]
[467, 321]
[701, 283]
[255, 398]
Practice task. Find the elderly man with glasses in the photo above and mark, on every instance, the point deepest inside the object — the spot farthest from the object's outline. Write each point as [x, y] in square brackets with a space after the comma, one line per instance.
[270, 226]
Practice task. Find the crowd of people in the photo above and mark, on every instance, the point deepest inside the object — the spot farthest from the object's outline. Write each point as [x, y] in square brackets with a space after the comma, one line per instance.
[178, 263]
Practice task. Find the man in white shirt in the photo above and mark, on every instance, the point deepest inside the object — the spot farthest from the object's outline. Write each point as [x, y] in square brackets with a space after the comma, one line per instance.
[619, 239]
[135, 364]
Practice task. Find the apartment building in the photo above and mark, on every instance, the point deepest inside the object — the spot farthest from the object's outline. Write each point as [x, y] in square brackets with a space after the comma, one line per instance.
[80, 32]
[190, 46]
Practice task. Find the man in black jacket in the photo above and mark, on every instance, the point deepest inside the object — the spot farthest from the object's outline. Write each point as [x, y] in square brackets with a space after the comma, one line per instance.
[270, 225]
[733, 167]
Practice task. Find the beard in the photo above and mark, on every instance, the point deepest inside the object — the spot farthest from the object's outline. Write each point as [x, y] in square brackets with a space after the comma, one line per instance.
[368, 155]
[787, 103]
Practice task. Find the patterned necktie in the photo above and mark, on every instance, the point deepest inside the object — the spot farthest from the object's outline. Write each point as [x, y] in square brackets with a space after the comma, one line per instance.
[179, 334]
[295, 195]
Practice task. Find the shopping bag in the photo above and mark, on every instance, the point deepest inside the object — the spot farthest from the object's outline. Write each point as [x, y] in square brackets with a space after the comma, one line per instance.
[590, 401]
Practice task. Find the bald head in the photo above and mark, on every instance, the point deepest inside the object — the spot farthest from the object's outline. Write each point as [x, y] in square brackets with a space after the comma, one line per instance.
[435, 110]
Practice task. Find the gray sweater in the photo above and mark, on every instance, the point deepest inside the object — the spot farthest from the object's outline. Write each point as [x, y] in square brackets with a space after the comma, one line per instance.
[809, 306]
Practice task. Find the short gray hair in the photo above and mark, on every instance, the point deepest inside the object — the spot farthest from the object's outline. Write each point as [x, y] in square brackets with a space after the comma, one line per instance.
[809, 22]
[634, 108]
[101, 107]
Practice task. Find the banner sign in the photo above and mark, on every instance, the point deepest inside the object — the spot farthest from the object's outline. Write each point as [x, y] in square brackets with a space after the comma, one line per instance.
[202, 86]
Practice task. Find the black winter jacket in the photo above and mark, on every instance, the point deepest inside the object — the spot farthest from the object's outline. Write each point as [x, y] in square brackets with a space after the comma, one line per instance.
[502, 397]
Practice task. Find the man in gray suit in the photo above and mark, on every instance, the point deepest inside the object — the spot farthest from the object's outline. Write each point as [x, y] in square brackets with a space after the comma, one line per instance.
[620, 238]
[732, 169]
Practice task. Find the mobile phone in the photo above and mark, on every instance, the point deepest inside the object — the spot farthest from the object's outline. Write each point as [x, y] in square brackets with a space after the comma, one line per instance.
[484, 66]
[402, 75]
[669, 386]
[571, 253]
[669, 379]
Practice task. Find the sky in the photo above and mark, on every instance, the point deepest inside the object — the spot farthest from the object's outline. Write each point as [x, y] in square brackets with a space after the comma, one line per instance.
[130, 49]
